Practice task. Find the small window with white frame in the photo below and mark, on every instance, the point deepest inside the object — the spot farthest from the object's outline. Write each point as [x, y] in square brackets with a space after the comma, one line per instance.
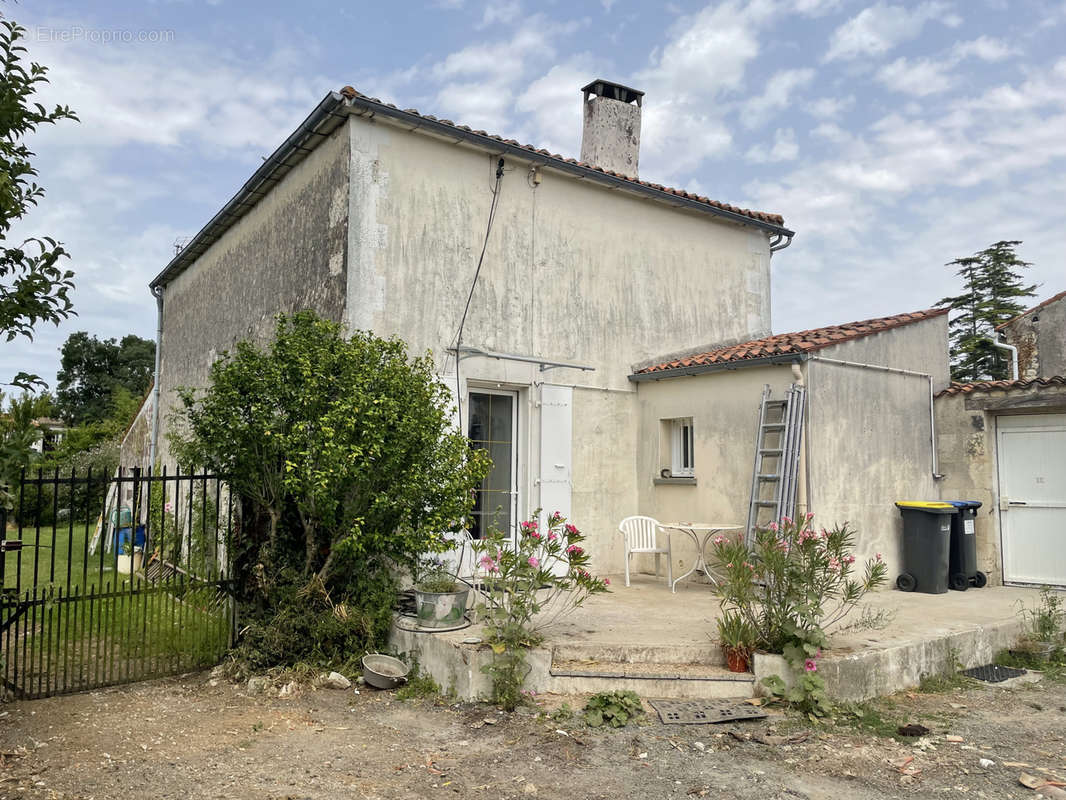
[678, 434]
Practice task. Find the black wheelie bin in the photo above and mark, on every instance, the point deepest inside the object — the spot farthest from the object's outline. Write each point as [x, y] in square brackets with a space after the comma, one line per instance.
[926, 540]
[962, 569]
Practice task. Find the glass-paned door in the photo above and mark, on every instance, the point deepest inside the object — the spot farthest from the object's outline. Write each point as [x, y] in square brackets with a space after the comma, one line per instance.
[492, 426]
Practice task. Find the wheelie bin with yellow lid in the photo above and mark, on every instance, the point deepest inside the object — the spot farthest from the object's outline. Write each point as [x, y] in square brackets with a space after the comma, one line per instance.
[926, 546]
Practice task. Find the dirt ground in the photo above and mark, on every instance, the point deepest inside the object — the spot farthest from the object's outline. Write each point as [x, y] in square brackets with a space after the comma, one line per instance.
[199, 737]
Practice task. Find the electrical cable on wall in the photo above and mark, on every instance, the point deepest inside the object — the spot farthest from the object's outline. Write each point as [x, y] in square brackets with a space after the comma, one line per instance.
[473, 284]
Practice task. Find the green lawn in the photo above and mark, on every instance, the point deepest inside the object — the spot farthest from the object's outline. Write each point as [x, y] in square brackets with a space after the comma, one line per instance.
[103, 627]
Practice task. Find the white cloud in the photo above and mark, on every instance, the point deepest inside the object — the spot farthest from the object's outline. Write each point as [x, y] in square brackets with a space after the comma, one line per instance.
[920, 77]
[879, 28]
[984, 48]
[829, 107]
[784, 148]
[500, 12]
[553, 102]
[777, 96]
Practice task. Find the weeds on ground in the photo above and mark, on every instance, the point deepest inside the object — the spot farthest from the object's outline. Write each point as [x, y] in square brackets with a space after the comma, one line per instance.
[949, 680]
[1053, 669]
[420, 685]
[869, 718]
[614, 709]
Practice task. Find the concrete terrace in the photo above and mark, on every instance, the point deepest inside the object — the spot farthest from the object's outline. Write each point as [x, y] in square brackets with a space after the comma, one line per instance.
[661, 644]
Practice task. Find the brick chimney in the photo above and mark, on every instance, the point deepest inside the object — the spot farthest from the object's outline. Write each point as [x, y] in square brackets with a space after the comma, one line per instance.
[610, 137]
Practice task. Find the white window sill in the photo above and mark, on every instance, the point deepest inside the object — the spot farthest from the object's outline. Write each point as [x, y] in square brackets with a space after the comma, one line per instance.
[679, 481]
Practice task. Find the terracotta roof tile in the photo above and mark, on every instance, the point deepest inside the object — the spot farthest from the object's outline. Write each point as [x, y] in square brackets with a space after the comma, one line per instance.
[762, 216]
[1037, 307]
[1005, 386]
[794, 343]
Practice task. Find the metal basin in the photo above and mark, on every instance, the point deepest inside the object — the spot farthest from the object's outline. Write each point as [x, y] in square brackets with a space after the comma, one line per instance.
[384, 672]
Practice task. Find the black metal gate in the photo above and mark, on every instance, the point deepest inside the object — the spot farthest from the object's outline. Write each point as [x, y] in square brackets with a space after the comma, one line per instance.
[106, 579]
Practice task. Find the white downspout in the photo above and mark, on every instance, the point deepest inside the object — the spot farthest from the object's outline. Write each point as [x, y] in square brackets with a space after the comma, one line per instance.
[153, 446]
[1013, 356]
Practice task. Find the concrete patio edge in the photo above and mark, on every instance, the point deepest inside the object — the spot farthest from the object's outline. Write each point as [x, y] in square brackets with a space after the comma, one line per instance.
[875, 672]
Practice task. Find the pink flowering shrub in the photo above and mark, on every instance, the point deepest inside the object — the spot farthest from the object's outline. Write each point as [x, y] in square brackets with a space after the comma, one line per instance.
[789, 589]
[794, 584]
[529, 584]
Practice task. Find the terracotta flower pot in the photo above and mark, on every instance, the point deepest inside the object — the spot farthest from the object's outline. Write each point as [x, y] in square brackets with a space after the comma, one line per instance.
[736, 659]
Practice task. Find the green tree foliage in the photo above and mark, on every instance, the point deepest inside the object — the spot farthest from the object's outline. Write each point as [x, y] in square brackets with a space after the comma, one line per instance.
[19, 433]
[345, 452]
[92, 369]
[993, 289]
[34, 288]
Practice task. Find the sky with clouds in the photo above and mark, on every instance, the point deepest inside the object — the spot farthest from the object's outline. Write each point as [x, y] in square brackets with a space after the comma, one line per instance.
[892, 136]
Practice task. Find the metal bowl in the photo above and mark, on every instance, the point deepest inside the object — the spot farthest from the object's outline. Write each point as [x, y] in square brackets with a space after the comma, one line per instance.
[384, 672]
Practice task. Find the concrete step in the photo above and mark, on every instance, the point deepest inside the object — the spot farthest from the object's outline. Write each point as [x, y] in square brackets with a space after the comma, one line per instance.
[624, 653]
[663, 679]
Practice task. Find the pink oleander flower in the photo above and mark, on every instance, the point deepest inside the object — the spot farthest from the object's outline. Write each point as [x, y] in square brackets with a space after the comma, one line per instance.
[606, 581]
[552, 537]
[810, 665]
[534, 535]
[850, 559]
[809, 516]
[555, 518]
[169, 507]
[574, 550]
[570, 529]
[773, 527]
[528, 526]
[878, 557]
[787, 520]
[719, 539]
[489, 563]
[534, 562]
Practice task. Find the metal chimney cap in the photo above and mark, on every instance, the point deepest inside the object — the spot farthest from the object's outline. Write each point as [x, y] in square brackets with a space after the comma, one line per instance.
[613, 91]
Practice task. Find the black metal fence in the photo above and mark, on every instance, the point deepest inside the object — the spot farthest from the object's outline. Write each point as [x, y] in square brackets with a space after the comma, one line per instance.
[106, 579]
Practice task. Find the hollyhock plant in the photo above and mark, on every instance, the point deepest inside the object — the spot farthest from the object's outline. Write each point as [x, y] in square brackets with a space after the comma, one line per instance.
[532, 583]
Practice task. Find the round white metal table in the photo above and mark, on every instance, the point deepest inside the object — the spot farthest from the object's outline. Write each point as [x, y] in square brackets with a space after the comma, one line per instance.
[700, 533]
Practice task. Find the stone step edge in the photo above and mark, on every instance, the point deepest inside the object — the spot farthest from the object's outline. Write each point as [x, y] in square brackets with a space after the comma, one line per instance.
[617, 653]
[723, 677]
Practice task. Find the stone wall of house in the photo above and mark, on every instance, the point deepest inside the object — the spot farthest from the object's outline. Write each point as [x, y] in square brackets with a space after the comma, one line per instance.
[288, 253]
[869, 431]
[572, 272]
[1040, 336]
[136, 444]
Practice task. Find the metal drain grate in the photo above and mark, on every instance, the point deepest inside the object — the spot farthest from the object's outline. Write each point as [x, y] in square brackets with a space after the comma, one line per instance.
[993, 673]
[704, 712]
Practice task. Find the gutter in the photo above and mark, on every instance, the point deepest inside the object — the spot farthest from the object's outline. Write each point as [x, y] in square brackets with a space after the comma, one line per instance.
[702, 369]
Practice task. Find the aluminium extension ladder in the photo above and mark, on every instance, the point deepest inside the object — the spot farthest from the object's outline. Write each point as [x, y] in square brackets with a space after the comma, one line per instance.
[775, 476]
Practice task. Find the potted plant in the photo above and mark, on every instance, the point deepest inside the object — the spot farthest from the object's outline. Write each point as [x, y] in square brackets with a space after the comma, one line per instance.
[1045, 625]
[129, 561]
[440, 599]
[737, 637]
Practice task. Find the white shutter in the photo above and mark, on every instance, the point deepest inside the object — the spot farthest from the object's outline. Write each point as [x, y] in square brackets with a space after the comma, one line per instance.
[460, 558]
[556, 458]
[448, 381]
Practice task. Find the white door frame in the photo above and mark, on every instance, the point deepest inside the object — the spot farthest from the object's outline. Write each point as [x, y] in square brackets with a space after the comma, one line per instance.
[1050, 423]
[519, 458]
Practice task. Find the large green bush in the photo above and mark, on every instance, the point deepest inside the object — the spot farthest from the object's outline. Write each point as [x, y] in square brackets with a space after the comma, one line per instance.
[344, 452]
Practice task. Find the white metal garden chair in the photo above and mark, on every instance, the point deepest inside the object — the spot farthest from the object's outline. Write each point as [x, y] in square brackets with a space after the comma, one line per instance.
[641, 536]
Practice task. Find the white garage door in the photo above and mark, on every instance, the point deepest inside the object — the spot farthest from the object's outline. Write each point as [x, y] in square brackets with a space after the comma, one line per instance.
[1032, 490]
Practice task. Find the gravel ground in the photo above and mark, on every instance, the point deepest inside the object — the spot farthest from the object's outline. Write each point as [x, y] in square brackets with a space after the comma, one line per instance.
[199, 737]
